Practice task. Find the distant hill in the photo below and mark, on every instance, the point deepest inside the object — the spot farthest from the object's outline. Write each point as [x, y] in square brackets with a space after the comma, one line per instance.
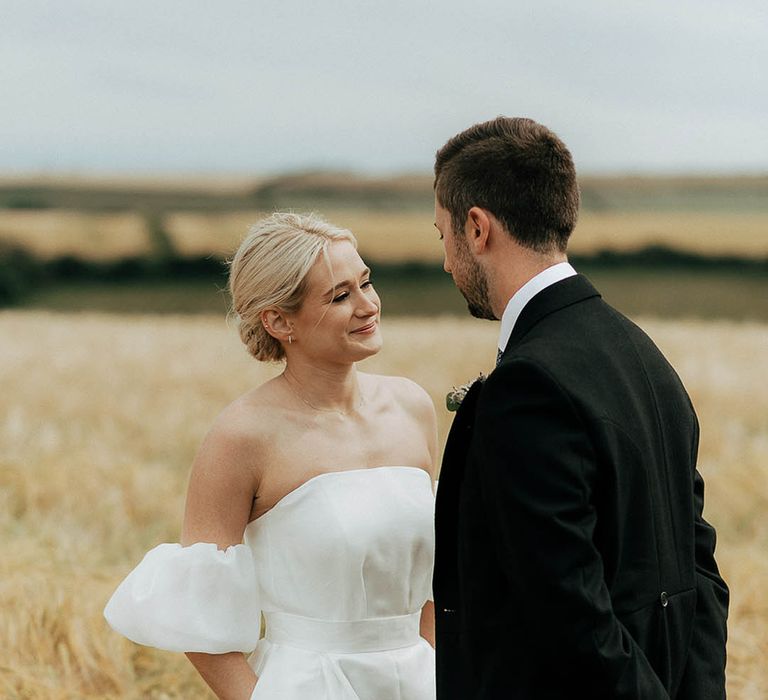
[338, 190]
[109, 219]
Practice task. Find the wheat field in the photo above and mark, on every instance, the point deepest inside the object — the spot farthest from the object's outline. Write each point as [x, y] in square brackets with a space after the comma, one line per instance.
[56, 233]
[100, 417]
[384, 236]
[405, 236]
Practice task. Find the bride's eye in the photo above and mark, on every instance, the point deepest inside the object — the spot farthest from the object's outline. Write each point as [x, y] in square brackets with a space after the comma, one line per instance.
[367, 283]
[339, 298]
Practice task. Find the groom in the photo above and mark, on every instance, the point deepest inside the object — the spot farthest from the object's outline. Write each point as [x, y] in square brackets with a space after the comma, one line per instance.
[572, 559]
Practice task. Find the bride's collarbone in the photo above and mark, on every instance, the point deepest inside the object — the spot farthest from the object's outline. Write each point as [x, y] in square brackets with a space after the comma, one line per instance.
[326, 442]
[365, 421]
[292, 460]
[297, 448]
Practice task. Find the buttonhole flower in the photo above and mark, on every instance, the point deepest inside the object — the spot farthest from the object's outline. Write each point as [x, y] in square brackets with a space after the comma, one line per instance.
[456, 395]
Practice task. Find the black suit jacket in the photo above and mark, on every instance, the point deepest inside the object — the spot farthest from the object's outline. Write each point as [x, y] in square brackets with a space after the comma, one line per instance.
[572, 559]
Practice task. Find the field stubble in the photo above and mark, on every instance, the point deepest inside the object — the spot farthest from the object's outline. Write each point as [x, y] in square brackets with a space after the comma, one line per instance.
[101, 415]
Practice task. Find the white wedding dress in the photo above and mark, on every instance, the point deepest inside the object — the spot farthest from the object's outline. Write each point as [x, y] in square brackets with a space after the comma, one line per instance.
[340, 568]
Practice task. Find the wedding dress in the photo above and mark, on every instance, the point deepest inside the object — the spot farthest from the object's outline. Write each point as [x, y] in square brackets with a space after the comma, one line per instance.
[340, 568]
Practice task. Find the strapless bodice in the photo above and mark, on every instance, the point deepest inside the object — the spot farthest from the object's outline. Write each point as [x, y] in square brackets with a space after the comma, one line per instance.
[340, 568]
[348, 545]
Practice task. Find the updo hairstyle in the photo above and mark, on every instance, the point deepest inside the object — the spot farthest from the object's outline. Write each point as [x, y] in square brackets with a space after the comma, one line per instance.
[269, 270]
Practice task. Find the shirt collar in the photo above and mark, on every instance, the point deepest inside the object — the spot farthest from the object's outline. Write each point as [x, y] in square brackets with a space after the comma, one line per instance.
[523, 295]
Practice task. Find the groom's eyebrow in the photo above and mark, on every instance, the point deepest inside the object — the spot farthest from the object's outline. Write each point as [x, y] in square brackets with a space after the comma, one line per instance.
[346, 283]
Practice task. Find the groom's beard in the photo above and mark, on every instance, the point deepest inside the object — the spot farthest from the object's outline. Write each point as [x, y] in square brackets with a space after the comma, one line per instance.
[474, 288]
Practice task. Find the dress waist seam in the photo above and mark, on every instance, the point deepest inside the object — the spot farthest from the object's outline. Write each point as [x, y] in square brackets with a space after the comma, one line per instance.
[343, 636]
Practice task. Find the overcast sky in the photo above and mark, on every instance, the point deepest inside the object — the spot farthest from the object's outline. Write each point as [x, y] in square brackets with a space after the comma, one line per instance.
[261, 87]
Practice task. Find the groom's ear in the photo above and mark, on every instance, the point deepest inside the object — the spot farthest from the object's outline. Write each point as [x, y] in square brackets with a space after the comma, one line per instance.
[478, 229]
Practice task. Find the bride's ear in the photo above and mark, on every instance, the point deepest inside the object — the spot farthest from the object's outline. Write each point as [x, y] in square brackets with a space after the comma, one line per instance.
[276, 324]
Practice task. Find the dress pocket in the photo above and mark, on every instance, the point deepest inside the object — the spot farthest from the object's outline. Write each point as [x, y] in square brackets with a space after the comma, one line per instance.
[258, 662]
[288, 673]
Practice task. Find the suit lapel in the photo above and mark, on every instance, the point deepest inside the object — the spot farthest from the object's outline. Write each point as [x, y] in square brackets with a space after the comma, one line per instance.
[555, 297]
[458, 439]
[447, 499]
[566, 292]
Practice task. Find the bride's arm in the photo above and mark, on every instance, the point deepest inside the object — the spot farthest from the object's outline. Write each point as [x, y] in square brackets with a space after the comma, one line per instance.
[221, 489]
[427, 419]
[228, 675]
[427, 622]
[420, 409]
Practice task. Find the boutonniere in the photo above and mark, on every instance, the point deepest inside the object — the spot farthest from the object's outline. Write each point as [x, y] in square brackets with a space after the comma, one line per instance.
[456, 395]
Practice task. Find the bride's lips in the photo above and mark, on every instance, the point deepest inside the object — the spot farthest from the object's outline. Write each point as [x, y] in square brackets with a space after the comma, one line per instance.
[367, 328]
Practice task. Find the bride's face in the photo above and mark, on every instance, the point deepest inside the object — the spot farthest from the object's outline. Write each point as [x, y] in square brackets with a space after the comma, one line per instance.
[339, 318]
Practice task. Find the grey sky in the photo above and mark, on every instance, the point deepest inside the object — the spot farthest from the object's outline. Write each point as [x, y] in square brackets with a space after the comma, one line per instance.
[183, 85]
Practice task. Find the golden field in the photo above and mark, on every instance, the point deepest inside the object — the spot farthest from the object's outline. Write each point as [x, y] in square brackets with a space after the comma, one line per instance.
[100, 417]
[386, 236]
[54, 233]
[398, 237]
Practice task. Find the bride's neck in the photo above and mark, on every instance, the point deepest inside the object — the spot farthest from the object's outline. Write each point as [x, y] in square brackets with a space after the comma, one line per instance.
[324, 388]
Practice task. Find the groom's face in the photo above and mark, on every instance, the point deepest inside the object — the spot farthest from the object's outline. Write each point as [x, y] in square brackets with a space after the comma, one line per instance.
[468, 276]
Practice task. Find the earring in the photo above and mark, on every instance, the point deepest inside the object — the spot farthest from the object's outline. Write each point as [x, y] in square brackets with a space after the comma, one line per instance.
[290, 340]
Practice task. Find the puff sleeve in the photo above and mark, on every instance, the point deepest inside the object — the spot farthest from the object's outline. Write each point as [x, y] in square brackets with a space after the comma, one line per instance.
[194, 598]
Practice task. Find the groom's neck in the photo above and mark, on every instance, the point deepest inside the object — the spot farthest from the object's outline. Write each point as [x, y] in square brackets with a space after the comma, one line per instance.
[513, 268]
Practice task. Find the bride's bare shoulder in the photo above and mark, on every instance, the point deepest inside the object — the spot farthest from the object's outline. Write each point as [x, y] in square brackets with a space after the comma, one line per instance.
[405, 392]
[411, 404]
[247, 421]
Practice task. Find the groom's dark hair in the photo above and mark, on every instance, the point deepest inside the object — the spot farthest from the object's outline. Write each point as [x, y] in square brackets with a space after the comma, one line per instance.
[518, 170]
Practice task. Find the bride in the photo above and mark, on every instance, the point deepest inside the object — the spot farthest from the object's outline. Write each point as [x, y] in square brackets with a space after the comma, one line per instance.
[310, 500]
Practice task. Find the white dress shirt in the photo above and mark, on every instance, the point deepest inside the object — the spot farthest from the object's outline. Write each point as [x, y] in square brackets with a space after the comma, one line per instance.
[523, 295]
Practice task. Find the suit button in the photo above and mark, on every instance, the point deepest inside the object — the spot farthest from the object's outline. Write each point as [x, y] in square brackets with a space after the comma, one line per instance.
[664, 598]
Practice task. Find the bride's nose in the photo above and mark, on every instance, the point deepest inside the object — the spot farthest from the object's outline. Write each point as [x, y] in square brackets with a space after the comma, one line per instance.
[366, 306]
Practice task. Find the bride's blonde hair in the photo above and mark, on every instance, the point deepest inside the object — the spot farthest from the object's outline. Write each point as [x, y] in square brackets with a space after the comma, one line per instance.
[269, 270]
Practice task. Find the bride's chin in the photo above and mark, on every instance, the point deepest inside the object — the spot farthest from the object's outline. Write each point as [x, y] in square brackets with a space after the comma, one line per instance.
[372, 347]
[370, 352]
[352, 355]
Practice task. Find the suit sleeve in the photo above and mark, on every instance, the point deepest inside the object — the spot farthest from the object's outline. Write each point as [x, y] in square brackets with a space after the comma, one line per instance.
[538, 478]
[704, 677]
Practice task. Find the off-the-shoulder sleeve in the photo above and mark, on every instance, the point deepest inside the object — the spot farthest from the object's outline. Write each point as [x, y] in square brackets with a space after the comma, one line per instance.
[195, 598]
